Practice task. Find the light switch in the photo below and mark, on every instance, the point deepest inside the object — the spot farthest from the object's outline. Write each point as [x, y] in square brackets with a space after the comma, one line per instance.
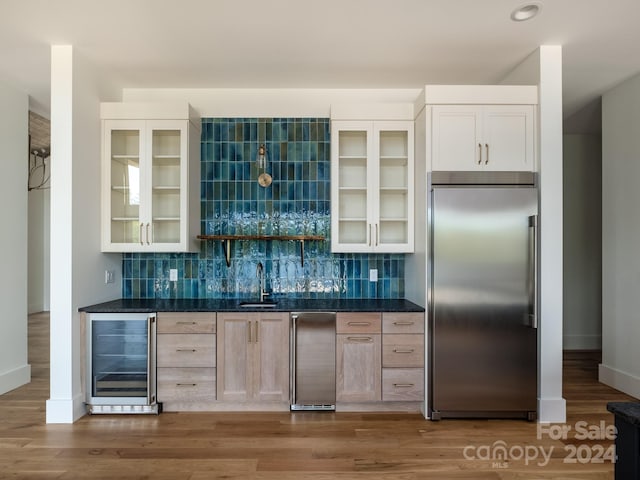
[173, 274]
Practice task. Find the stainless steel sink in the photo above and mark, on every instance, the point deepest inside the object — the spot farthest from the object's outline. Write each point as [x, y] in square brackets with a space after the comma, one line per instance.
[258, 304]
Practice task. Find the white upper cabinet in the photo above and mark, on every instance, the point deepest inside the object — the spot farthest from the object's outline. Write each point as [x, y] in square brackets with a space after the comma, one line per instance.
[150, 184]
[487, 137]
[372, 186]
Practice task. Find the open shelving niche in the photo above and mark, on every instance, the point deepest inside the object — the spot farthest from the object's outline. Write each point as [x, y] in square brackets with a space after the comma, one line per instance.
[227, 239]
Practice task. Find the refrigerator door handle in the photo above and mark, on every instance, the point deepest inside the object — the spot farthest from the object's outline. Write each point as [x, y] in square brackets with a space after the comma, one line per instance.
[533, 271]
[292, 359]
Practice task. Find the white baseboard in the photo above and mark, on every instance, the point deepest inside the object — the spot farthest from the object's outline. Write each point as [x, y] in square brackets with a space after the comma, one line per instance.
[623, 381]
[15, 378]
[552, 410]
[582, 342]
[66, 410]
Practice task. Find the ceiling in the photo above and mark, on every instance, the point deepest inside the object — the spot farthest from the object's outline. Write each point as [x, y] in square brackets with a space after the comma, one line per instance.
[319, 43]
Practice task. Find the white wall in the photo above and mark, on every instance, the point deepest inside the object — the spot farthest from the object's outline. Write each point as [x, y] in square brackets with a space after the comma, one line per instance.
[77, 266]
[620, 366]
[582, 316]
[14, 146]
[38, 289]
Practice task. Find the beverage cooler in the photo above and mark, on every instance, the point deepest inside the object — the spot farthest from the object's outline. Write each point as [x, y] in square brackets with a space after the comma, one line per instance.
[121, 367]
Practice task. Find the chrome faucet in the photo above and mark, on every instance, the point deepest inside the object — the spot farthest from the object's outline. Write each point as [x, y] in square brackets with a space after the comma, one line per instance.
[260, 275]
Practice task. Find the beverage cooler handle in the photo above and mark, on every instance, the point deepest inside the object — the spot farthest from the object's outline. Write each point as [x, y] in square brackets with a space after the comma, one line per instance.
[292, 359]
[533, 271]
[151, 355]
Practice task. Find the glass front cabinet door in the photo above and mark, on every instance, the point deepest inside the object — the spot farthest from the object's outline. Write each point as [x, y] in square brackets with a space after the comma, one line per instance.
[372, 186]
[149, 186]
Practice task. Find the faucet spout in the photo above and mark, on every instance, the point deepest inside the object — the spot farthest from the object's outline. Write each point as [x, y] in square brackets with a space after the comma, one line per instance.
[260, 276]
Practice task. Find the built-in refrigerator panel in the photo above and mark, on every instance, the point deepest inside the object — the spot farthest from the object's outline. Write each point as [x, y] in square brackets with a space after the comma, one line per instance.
[121, 363]
[483, 301]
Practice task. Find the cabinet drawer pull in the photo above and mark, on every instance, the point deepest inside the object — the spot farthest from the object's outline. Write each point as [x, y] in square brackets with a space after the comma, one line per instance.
[358, 324]
[186, 384]
[399, 350]
[405, 323]
[188, 350]
[403, 385]
[360, 339]
[186, 323]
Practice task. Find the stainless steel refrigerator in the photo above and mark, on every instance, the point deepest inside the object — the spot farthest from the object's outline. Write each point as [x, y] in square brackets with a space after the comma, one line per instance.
[483, 302]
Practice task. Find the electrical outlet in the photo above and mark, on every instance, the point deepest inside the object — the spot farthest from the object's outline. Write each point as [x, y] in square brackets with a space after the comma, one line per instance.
[173, 274]
[373, 275]
[109, 276]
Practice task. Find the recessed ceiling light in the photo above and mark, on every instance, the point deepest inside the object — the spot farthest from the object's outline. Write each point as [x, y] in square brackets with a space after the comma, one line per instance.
[526, 12]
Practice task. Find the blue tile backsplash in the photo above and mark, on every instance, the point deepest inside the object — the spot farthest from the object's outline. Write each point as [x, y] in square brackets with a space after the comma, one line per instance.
[297, 202]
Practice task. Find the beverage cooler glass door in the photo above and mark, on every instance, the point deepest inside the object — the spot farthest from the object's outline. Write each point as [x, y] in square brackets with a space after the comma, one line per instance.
[121, 354]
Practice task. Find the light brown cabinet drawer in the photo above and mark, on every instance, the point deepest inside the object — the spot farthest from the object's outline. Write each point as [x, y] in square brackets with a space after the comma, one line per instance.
[406, 322]
[403, 350]
[186, 384]
[186, 322]
[186, 350]
[368, 322]
[402, 384]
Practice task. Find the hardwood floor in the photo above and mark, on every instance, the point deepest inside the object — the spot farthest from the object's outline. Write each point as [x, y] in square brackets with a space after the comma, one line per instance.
[304, 445]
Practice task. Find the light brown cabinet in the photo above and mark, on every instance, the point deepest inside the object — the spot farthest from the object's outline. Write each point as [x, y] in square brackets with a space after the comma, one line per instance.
[186, 360]
[253, 357]
[358, 357]
[403, 357]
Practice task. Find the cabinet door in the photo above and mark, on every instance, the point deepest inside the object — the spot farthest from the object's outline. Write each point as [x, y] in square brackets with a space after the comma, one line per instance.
[508, 141]
[358, 368]
[234, 365]
[351, 175]
[123, 213]
[150, 186]
[393, 207]
[167, 179]
[456, 137]
[271, 357]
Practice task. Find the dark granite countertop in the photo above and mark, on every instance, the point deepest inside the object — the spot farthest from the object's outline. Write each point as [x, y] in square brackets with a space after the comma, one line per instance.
[628, 411]
[125, 305]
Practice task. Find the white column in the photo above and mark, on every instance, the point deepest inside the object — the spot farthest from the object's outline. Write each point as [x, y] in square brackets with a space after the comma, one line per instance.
[551, 405]
[60, 406]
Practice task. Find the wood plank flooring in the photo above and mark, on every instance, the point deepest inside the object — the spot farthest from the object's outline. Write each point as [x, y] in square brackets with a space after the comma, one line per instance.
[304, 445]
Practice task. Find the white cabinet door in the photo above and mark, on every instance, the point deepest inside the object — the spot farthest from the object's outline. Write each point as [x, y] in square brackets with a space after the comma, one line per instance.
[122, 185]
[394, 187]
[486, 137]
[150, 193]
[456, 137]
[508, 138]
[372, 187]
